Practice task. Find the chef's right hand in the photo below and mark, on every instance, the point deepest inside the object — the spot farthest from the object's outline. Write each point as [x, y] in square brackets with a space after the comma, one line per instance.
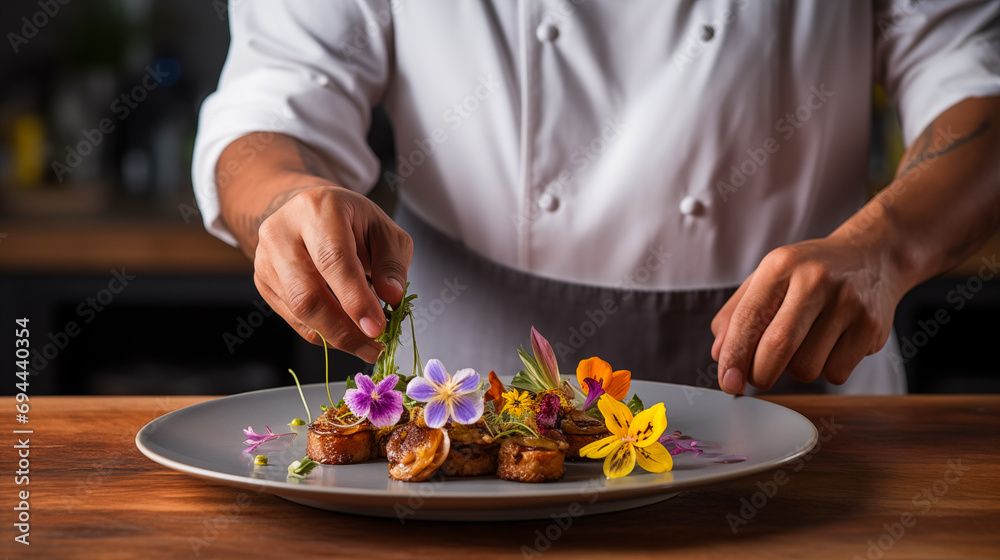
[311, 262]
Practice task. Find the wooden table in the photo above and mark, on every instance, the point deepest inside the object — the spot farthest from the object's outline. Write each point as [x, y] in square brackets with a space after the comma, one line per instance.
[894, 477]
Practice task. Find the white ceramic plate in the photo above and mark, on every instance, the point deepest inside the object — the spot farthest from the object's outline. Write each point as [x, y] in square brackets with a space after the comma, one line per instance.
[205, 440]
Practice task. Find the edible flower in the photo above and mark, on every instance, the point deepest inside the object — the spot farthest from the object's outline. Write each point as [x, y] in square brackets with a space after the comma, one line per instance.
[632, 439]
[255, 440]
[615, 383]
[517, 403]
[545, 357]
[593, 389]
[546, 410]
[380, 404]
[676, 443]
[540, 372]
[495, 392]
[455, 398]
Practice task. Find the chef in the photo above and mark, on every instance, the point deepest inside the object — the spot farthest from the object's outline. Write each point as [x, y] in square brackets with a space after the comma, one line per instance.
[666, 185]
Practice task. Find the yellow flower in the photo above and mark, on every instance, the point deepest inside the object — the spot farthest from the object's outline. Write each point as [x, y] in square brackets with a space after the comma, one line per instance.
[517, 403]
[631, 439]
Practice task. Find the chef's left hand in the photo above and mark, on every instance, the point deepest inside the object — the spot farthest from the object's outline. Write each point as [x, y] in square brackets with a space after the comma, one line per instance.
[811, 309]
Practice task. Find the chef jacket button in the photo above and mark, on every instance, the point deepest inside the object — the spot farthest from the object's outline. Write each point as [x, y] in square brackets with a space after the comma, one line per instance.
[320, 79]
[548, 201]
[691, 206]
[707, 32]
[547, 32]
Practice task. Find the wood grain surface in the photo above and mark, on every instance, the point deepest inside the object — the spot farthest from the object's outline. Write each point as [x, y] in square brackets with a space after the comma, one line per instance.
[893, 477]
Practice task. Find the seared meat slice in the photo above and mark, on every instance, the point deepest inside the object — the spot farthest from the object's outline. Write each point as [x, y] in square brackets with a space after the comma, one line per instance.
[581, 429]
[415, 452]
[473, 451]
[334, 441]
[530, 459]
[382, 435]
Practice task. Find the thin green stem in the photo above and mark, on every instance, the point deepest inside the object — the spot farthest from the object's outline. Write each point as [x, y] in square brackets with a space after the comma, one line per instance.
[326, 358]
[296, 378]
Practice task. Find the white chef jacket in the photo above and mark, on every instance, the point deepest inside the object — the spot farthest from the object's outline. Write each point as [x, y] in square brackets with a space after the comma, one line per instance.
[575, 140]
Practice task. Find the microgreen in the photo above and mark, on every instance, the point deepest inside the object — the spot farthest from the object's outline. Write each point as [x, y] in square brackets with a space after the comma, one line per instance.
[385, 364]
[299, 385]
[302, 467]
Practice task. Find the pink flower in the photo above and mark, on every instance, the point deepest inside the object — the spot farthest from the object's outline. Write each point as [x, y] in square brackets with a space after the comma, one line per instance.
[255, 440]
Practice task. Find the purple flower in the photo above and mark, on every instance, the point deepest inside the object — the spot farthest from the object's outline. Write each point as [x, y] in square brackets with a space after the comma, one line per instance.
[546, 411]
[676, 443]
[594, 392]
[380, 404]
[255, 440]
[457, 398]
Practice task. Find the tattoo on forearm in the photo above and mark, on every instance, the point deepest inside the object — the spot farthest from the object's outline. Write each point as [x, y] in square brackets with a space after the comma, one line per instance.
[310, 161]
[925, 151]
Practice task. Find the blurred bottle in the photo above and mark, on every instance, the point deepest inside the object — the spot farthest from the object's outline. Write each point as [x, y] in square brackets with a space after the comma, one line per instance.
[27, 146]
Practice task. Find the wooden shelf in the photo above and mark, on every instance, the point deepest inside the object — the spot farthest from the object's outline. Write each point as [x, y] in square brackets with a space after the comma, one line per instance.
[95, 246]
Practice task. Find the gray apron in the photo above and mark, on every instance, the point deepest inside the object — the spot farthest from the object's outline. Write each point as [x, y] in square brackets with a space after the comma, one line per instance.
[472, 312]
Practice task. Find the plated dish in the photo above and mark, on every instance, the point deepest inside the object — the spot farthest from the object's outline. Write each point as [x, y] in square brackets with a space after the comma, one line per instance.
[204, 440]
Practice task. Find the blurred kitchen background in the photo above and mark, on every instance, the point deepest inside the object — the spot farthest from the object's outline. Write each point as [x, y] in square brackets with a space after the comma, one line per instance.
[98, 110]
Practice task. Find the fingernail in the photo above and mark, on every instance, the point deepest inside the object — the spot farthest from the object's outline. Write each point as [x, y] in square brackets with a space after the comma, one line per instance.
[732, 381]
[395, 283]
[370, 327]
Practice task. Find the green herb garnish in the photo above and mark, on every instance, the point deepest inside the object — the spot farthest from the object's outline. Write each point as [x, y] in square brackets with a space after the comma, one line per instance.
[386, 363]
[302, 467]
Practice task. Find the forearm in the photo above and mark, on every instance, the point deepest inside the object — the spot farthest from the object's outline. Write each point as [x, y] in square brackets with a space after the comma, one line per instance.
[945, 200]
[258, 173]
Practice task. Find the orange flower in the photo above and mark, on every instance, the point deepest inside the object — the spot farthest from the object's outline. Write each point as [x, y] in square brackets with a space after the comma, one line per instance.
[495, 393]
[615, 383]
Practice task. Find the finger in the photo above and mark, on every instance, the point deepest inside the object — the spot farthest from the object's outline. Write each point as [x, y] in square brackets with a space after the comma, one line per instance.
[752, 315]
[720, 323]
[336, 327]
[334, 251]
[391, 250]
[717, 345]
[850, 349]
[807, 363]
[785, 333]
